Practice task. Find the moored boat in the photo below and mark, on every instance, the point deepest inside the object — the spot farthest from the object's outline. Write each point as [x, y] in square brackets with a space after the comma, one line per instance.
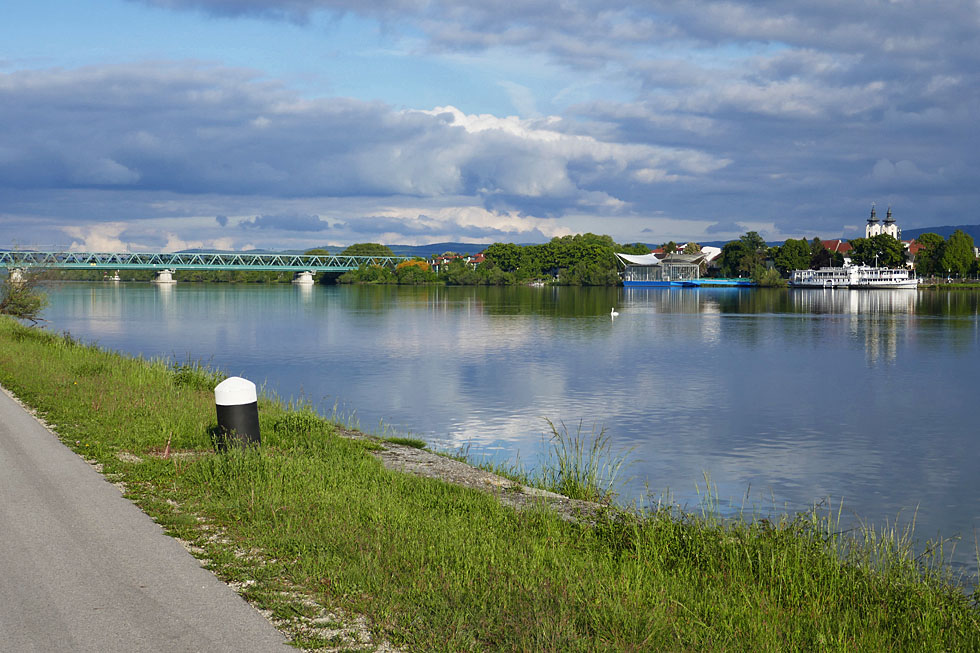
[854, 276]
[832, 277]
[869, 277]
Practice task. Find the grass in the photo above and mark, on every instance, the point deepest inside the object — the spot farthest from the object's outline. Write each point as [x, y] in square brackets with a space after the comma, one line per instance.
[312, 519]
[942, 285]
[580, 466]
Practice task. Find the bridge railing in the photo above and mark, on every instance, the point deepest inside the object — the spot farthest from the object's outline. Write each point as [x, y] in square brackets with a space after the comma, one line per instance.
[192, 261]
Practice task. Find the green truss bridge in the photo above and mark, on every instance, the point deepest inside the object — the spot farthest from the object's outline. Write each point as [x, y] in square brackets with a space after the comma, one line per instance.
[304, 266]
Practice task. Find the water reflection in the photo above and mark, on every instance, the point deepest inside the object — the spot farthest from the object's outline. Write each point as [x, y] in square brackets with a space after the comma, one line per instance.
[305, 292]
[821, 301]
[798, 394]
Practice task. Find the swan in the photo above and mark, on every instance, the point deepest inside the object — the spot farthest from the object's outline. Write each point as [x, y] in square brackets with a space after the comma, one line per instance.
[612, 312]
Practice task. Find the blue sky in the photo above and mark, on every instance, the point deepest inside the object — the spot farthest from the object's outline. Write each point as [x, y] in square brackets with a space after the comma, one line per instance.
[235, 124]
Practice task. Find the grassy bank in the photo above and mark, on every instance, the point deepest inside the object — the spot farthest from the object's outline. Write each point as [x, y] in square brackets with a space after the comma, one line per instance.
[942, 285]
[314, 518]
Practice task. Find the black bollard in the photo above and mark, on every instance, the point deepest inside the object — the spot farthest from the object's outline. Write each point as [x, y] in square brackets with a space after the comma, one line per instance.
[238, 413]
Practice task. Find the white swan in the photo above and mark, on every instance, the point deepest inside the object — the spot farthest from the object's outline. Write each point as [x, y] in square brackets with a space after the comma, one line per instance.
[612, 312]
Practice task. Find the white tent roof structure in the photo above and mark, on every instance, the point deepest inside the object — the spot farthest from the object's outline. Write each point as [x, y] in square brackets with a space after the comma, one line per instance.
[639, 259]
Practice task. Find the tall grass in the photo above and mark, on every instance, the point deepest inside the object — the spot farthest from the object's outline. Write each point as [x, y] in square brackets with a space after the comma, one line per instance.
[435, 567]
[581, 465]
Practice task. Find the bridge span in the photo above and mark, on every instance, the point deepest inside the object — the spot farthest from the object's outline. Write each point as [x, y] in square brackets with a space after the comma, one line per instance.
[304, 266]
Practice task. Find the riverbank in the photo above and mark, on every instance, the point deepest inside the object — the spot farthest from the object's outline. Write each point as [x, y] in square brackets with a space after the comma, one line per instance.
[314, 523]
[943, 285]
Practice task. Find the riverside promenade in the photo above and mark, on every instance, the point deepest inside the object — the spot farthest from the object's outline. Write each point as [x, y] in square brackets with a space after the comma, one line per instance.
[83, 569]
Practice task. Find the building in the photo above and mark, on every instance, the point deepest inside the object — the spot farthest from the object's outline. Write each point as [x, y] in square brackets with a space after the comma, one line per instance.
[437, 262]
[651, 270]
[837, 246]
[875, 228]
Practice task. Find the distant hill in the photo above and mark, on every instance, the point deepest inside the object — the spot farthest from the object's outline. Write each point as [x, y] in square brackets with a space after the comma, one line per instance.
[944, 231]
[428, 251]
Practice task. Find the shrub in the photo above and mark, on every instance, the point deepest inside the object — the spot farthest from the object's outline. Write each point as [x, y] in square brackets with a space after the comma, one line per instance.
[20, 298]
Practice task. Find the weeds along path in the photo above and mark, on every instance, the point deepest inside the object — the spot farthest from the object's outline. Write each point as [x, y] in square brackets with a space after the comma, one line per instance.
[85, 570]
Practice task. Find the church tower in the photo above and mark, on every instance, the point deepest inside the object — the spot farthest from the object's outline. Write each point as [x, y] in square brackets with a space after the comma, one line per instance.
[890, 227]
[873, 228]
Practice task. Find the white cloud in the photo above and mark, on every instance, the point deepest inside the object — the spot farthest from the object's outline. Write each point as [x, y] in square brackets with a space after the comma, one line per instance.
[176, 244]
[102, 237]
[899, 172]
[778, 113]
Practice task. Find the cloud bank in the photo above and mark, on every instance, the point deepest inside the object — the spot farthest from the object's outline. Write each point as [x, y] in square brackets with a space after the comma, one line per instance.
[725, 114]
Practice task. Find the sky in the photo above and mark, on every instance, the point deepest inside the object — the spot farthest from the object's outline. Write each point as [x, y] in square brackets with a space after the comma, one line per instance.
[161, 125]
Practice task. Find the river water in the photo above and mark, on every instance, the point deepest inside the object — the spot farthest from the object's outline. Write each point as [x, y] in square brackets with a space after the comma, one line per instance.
[780, 398]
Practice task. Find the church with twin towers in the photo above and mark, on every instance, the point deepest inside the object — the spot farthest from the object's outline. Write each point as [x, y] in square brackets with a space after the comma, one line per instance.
[875, 228]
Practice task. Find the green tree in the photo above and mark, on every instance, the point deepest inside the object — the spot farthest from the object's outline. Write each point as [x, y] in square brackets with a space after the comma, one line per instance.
[957, 256]
[634, 248]
[669, 247]
[20, 298]
[793, 255]
[506, 256]
[567, 252]
[459, 273]
[367, 249]
[731, 258]
[414, 275]
[931, 247]
[316, 251]
[754, 252]
[692, 248]
[375, 274]
[741, 257]
[767, 278]
[821, 257]
[883, 250]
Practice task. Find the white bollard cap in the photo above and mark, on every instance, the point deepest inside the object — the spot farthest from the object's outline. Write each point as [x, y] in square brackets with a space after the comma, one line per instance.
[235, 391]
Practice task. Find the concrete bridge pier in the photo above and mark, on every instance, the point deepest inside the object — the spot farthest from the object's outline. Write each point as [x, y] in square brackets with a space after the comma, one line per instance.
[304, 278]
[164, 276]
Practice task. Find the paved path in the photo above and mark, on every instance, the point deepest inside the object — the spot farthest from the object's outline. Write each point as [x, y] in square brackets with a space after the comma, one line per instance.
[83, 569]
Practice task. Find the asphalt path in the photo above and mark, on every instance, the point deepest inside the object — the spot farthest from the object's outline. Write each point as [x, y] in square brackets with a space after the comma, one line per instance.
[83, 569]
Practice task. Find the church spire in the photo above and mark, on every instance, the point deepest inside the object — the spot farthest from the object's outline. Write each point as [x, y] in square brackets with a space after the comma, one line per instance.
[874, 217]
[888, 217]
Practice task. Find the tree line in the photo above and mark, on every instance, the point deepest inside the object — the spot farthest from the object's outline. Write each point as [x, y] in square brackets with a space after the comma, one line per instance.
[589, 260]
[580, 260]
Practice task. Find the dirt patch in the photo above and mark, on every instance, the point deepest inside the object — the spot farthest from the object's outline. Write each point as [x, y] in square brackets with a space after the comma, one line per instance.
[420, 462]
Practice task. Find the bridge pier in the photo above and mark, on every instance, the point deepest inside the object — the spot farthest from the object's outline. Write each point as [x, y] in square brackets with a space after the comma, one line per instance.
[304, 278]
[164, 276]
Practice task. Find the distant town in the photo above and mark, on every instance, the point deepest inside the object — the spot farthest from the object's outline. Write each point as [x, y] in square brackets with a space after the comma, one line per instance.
[940, 255]
[589, 259]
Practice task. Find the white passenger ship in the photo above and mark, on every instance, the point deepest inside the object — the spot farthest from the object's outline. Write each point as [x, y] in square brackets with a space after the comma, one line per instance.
[854, 276]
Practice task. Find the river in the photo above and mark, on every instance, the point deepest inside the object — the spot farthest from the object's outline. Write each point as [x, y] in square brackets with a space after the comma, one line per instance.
[779, 398]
